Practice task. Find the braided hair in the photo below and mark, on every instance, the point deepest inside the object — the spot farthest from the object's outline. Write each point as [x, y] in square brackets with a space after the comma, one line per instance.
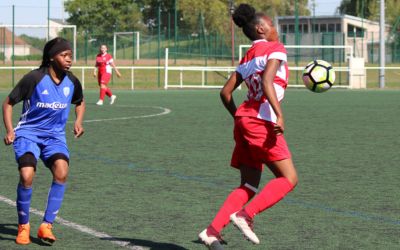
[246, 17]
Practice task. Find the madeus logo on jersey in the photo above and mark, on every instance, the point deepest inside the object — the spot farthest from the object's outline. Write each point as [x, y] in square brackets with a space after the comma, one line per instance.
[51, 105]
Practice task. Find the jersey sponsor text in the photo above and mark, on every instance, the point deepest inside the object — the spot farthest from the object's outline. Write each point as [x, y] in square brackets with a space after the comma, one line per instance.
[52, 105]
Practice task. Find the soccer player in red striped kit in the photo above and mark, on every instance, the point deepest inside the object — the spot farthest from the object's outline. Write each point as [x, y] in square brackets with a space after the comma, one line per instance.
[258, 128]
[104, 64]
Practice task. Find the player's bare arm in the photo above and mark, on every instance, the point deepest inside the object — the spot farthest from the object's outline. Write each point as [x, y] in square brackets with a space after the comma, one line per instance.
[79, 112]
[115, 68]
[7, 119]
[269, 91]
[226, 93]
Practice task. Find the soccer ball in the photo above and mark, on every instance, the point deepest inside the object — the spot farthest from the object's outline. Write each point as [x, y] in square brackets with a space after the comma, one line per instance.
[318, 76]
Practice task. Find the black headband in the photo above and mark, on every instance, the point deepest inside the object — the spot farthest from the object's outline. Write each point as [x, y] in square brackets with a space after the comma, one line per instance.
[62, 45]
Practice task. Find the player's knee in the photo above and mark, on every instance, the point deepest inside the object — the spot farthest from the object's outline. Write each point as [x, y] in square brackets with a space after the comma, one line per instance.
[27, 167]
[60, 175]
[293, 179]
[58, 163]
[26, 179]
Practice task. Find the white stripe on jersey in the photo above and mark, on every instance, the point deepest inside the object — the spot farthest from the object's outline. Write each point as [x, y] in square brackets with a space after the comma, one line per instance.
[266, 112]
[251, 69]
[278, 55]
[257, 64]
[282, 72]
[22, 120]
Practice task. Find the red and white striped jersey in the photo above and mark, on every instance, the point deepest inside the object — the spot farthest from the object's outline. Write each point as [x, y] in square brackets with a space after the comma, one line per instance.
[103, 62]
[251, 68]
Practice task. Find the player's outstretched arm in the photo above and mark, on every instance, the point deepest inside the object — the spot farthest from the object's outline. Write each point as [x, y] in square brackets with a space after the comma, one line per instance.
[79, 112]
[7, 119]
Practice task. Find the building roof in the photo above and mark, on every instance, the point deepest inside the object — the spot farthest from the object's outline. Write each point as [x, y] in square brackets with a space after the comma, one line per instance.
[6, 37]
[354, 18]
[59, 21]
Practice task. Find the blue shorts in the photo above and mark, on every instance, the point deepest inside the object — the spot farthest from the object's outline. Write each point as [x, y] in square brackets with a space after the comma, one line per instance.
[40, 147]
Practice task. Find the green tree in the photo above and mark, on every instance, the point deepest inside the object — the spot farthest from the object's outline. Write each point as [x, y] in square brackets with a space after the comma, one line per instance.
[101, 18]
[279, 8]
[392, 11]
[371, 9]
[215, 13]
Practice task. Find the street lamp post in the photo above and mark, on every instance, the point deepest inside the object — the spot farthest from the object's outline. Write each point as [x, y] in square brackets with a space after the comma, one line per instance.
[48, 20]
[231, 10]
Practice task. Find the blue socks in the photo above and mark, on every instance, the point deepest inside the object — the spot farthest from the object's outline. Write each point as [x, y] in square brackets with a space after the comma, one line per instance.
[54, 201]
[23, 203]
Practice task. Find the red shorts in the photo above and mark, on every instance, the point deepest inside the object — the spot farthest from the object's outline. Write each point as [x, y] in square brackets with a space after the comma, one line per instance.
[104, 78]
[257, 143]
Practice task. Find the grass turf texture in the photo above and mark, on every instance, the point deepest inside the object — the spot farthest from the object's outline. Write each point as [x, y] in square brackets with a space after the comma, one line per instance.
[158, 181]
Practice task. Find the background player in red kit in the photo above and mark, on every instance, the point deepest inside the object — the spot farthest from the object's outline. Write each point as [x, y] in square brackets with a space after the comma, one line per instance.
[104, 62]
[258, 128]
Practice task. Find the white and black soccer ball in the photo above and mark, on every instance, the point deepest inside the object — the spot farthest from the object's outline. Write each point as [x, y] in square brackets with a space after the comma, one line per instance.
[318, 76]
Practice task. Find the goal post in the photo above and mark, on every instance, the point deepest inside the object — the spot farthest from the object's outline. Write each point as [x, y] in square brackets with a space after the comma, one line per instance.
[195, 77]
[350, 71]
[135, 36]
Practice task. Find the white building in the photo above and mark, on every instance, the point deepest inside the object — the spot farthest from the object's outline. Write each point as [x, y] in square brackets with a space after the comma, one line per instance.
[333, 30]
[21, 48]
[56, 26]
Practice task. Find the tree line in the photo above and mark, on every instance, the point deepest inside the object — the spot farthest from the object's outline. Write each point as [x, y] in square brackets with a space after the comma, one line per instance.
[103, 17]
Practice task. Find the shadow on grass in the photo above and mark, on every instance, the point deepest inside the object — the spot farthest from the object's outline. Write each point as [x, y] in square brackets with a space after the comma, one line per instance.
[223, 242]
[147, 244]
[11, 230]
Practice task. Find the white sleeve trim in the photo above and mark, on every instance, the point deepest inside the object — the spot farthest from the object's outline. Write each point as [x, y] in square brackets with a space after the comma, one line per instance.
[278, 55]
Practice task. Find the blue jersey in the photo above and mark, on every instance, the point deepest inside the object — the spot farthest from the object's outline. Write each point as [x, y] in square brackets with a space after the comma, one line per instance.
[46, 104]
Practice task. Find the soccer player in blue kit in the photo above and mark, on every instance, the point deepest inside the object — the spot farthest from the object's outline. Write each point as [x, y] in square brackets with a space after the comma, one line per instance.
[47, 94]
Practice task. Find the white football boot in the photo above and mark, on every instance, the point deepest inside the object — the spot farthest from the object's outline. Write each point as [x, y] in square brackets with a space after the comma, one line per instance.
[245, 225]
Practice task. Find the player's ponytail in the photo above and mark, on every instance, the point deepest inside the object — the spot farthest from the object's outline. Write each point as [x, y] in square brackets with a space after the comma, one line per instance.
[245, 17]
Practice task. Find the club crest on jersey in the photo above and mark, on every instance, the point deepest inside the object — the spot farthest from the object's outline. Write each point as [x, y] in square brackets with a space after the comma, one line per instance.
[66, 91]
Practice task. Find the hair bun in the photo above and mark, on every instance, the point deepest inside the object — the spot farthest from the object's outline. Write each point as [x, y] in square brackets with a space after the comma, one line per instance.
[243, 15]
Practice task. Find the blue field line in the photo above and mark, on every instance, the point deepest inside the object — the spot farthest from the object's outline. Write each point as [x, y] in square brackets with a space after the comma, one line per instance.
[205, 180]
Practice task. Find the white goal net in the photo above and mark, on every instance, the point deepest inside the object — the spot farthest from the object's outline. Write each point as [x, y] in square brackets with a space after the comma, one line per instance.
[128, 45]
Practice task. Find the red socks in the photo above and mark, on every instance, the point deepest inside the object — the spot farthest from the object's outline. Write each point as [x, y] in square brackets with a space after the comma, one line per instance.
[272, 193]
[108, 92]
[234, 202]
[104, 92]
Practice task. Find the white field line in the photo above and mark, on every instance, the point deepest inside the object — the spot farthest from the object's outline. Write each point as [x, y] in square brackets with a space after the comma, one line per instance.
[165, 111]
[80, 228]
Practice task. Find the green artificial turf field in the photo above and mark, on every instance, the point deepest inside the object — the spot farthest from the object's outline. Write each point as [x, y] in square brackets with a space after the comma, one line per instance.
[152, 170]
